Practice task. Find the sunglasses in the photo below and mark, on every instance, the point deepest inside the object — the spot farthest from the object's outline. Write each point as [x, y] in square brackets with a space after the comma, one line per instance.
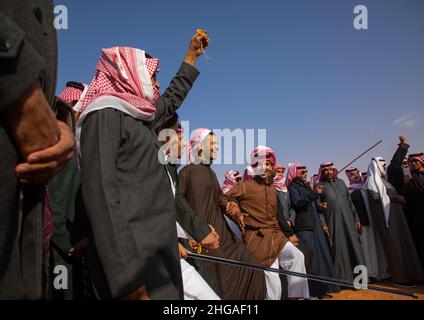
[303, 171]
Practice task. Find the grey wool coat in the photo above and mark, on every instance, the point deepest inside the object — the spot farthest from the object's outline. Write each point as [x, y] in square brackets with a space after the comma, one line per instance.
[27, 52]
[129, 200]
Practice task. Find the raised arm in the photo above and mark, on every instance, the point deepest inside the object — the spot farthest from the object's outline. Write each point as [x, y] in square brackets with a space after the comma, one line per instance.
[181, 84]
[400, 153]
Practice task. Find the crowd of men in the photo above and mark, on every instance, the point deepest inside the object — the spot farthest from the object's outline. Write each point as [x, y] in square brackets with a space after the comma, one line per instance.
[90, 180]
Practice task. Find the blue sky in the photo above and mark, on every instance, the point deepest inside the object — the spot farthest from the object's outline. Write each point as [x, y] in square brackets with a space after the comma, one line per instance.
[297, 68]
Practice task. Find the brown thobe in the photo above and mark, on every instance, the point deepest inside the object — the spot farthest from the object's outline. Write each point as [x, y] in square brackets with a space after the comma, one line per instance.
[200, 186]
[263, 235]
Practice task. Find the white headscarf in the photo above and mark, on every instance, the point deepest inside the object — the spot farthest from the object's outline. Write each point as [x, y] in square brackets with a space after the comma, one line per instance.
[376, 172]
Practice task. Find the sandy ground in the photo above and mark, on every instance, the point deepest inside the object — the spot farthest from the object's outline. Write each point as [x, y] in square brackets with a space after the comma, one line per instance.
[371, 295]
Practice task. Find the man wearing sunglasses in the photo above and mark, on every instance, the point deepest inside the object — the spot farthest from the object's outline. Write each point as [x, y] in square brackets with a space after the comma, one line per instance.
[308, 226]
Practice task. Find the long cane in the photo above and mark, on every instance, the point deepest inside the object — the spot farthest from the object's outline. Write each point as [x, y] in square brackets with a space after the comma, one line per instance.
[362, 154]
[296, 274]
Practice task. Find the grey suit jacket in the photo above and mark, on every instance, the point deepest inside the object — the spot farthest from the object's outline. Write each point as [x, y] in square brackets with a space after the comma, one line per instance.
[27, 52]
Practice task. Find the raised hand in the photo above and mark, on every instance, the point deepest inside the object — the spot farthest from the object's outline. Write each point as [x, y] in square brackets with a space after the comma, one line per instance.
[197, 46]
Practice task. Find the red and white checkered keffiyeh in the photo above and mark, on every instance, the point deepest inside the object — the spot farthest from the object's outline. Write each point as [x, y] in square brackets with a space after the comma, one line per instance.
[327, 165]
[354, 185]
[293, 172]
[231, 179]
[279, 179]
[70, 95]
[125, 73]
[74, 96]
[262, 154]
[195, 144]
[249, 173]
[416, 156]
